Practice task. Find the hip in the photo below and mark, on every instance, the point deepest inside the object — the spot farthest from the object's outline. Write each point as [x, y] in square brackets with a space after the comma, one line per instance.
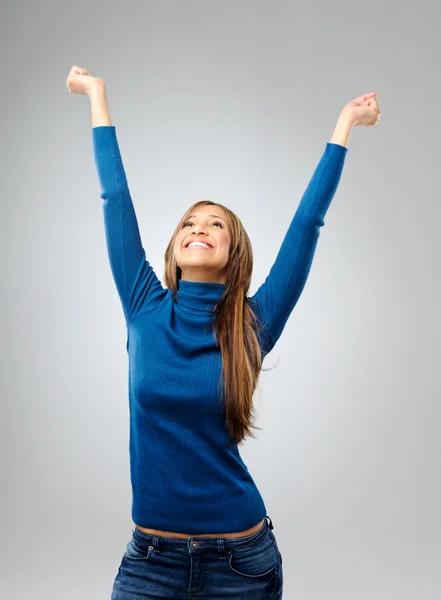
[247, 567]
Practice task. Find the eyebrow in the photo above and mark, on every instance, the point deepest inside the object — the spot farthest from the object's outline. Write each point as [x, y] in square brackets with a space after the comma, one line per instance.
[191, 216]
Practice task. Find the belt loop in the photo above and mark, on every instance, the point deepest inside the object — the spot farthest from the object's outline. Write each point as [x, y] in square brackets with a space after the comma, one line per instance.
[155, 543]
[220, 545]
[271, 526]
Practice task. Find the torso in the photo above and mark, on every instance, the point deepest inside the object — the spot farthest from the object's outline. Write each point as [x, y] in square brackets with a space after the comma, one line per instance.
[183, 536]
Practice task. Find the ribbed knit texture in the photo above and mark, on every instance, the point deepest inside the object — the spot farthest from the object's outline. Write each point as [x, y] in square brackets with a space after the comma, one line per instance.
[184, 475]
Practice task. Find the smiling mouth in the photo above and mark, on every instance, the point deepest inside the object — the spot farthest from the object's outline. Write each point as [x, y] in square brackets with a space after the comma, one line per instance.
[198, 247]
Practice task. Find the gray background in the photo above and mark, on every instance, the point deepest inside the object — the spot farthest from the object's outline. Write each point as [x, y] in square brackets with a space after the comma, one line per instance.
[231, 101]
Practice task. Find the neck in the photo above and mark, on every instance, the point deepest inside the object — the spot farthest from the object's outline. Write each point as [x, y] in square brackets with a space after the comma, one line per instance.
[204, 278]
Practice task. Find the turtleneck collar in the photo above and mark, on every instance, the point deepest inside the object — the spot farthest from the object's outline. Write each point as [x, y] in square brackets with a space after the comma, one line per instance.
[199, 295]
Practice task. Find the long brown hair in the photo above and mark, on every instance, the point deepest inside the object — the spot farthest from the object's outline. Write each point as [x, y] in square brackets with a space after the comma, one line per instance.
[235, 326]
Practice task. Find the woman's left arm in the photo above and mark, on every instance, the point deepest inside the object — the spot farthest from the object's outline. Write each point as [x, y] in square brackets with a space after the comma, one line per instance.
[276, 297]
[342, 131]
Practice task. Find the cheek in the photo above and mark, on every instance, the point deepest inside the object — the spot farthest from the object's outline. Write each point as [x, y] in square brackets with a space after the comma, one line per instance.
[226, 242]
[178, 241]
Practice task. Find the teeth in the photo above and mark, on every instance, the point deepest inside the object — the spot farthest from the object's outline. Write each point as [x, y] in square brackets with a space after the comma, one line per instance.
[191, 244]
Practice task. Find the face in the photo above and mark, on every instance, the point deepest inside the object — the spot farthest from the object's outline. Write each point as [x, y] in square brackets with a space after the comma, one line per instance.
[208, 224]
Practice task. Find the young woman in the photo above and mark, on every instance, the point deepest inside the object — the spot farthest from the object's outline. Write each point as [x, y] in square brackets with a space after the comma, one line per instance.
[195, 351]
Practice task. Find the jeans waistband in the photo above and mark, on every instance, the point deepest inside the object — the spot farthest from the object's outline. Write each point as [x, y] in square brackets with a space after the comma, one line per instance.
[193, 542]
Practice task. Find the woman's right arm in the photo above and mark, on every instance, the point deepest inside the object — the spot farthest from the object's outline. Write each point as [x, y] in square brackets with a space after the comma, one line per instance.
[99, 105]
[136, 282]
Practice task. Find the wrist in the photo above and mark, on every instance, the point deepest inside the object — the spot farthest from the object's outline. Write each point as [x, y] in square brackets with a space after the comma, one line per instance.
[98, 87]
[343, 129]
[98, 104]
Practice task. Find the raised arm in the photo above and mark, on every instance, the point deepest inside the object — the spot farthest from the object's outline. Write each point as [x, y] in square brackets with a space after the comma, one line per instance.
[277, 296]
[136, 282]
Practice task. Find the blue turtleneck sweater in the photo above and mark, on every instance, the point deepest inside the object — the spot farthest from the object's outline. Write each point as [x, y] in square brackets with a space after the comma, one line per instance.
[184, 475]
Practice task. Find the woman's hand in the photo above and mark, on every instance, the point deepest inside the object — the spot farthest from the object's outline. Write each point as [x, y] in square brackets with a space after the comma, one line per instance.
[363, 110]
[80, 81]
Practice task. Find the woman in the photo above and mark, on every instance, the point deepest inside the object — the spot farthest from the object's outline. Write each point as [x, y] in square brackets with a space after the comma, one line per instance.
[195, 351]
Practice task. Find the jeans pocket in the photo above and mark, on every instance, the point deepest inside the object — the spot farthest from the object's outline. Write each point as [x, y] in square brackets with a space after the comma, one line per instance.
[255, 561]
[136, 551]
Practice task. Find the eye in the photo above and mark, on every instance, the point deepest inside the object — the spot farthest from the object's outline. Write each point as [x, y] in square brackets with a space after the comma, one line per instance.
[214, 223]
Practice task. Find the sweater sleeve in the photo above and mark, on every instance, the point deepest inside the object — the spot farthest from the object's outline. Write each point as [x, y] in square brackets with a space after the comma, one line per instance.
[277, 296]
[135, 280]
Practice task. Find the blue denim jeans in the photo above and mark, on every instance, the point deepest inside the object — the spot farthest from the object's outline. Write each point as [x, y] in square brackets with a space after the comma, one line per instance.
[159, 568]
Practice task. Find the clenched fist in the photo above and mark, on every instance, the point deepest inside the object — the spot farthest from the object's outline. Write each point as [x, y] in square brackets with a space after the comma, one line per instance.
[80, 81]
[363, 110]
